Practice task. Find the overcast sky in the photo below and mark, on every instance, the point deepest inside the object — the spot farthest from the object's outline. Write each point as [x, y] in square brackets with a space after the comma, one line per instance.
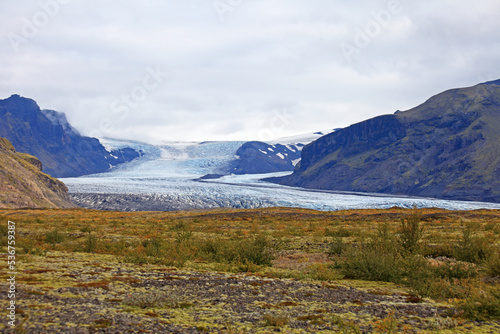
[158, 70]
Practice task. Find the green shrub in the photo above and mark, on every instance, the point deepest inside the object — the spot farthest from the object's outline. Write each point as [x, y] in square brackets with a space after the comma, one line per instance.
[179, 226]
[90, 243]
[482, 305]
[492, 266]
[418, 275]
[370, 263]
[337, 247]
[251, 252]
[440, 250]
[410, 232]
[183, 236]
[54, 237]
[3, 227]
[472, 248]
[452, 271]
[86, 229]
[258, 250]
[4, 240]
[340, 232]
[28, 247]
[384, 240]
[217, 250]
[154, 247]
[448, 280]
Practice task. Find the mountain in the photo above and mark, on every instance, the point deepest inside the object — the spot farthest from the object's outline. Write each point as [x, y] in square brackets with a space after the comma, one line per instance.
[281, 155]
[448, 147]
[22, 184]
[258, 158]
[47, 135]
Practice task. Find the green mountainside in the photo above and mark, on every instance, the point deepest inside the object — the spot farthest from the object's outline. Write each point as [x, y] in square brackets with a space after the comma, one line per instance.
[448, 147]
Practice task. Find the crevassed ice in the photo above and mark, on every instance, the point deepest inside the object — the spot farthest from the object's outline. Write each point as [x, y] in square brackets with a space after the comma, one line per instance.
[171, 169]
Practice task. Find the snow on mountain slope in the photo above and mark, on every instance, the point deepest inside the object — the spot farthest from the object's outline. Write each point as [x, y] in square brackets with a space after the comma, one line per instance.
[280, 155]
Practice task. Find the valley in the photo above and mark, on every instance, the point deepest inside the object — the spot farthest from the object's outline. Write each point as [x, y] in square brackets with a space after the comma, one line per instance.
[168, 176]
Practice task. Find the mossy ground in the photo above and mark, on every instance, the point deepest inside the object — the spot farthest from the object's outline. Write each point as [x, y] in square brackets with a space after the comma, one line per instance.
[89, 271]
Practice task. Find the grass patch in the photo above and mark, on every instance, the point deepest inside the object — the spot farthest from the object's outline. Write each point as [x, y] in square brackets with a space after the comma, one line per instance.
[276, 319]
[157, 299]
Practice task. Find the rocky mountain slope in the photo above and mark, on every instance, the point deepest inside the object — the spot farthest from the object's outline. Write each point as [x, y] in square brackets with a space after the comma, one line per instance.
[22, 184]
[448, 147]
[256, 157]
[47, 135]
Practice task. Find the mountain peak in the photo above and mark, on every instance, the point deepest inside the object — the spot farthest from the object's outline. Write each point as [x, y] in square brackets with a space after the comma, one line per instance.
[18, 98]
[20, 101]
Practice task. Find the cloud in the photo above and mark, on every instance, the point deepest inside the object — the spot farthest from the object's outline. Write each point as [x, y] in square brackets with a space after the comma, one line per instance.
[230, 70]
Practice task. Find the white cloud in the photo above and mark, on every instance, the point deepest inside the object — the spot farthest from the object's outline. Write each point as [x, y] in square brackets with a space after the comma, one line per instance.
[227, 77]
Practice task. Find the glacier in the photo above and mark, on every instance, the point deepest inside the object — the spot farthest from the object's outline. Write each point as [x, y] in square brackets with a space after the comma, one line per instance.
[167, 177]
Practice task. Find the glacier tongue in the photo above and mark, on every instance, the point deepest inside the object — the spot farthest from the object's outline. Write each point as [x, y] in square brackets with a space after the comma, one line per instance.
[164, 178]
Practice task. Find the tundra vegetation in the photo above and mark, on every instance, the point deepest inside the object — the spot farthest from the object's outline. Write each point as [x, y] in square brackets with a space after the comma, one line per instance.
[256, 271]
